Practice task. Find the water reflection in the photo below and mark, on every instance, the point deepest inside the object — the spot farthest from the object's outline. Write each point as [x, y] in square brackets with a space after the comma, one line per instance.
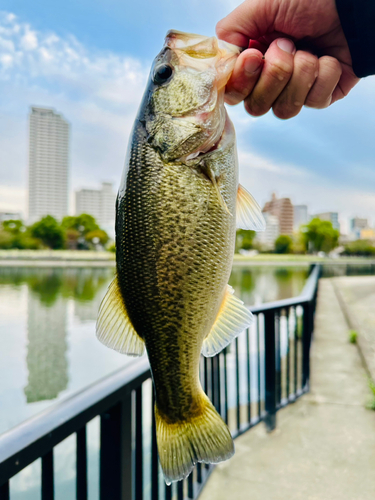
[49, 291]
[266, 284]
[47, 344]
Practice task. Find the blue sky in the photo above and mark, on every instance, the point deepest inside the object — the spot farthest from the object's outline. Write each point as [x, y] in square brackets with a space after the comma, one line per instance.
[90, 60]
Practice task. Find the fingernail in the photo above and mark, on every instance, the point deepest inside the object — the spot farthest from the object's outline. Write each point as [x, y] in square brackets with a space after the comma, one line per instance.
[252, 65]
[286, 45]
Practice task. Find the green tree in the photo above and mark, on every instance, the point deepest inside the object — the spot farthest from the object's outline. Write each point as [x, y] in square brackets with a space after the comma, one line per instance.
[14, 226]
[81, 230]
[244, 239]
[14, 234]
[97, 236]
[283, 244]
[363, 248]
[49, 231]
[320, 236]
[83, 223]
[6, 240]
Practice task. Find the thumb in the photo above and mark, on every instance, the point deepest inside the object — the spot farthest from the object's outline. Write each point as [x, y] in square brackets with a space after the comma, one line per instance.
[250, 20]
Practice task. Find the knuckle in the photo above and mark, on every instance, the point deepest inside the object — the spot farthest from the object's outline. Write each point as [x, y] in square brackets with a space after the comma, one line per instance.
[221, 29]
[331, 64]
[280, 70]
[318, 103]
[306, 63]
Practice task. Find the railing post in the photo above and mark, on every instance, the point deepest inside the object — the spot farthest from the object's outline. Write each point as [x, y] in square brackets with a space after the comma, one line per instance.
[48, 492]
[270, 369]
[306, 341]
[81, 456]
[116, 474]
[4, 491]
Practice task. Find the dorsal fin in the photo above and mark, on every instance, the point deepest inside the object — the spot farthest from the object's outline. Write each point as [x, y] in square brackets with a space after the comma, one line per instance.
[232, 319]
[249, 214]
[113, 326]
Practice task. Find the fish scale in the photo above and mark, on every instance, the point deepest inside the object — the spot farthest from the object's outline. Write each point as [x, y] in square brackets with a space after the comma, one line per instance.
[185, 230]
[175, 232]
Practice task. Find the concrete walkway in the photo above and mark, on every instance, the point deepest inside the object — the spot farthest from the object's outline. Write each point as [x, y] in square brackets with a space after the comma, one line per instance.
[357, 295]
[324, 445]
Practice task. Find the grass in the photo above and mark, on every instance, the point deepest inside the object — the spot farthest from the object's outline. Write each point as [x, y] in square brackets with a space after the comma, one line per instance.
[353, 335]
[371, 404]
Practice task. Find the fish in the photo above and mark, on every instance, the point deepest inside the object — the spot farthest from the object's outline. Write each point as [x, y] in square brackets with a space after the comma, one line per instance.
[177, 210]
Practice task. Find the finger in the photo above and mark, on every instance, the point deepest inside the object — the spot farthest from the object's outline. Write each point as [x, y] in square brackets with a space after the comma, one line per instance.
[245, 75]
[293, 97]
[320, 95]
[249, 20]
[277, 71]
[347, 81]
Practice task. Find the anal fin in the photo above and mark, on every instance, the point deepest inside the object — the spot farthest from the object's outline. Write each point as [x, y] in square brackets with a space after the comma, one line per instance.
[231, 320]
[113, 326]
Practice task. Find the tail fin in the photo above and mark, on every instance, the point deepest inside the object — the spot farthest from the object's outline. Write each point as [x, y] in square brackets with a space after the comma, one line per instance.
[203, 438]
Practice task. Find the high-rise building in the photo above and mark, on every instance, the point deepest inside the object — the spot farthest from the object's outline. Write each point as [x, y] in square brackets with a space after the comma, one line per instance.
[331, 217]
[300, 216]
[100, 203]
[272, 231]
[48, 164]
[281, 208]
[357, 224]
[10, 216]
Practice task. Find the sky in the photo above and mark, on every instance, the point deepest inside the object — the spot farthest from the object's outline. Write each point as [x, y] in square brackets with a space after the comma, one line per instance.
[89, 60]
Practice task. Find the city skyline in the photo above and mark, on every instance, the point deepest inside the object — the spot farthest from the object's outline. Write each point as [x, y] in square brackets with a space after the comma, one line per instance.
[322, 159]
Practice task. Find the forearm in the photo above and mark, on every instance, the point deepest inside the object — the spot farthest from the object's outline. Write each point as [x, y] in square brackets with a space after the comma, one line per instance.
[358, 21]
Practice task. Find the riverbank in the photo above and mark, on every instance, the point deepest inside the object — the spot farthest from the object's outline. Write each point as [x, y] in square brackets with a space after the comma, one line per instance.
[88, 258]
[56, 258]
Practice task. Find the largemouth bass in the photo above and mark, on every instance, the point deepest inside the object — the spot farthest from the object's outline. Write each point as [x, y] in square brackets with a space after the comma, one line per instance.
[175, 232]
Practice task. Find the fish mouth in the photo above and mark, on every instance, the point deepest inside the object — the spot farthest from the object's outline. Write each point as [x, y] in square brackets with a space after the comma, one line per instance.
[203, 53]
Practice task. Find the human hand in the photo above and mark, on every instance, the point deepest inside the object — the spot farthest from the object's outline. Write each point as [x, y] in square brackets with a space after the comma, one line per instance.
[289, 75]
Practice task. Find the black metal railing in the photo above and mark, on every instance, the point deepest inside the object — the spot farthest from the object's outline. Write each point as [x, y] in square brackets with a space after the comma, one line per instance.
[264, 369]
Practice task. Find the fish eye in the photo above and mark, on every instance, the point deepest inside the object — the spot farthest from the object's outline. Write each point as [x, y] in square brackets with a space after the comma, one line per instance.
[162, 74]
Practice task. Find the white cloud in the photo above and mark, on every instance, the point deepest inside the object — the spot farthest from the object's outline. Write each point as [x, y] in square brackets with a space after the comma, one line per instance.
[97, 92]
[262, 176]
[29, 40]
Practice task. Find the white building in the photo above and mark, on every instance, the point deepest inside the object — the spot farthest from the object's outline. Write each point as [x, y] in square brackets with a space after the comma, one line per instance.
[48, 164]
[272, 231]
[100, 203]
[332, 217]
[357, 224]
[300, 216]
[10, 216]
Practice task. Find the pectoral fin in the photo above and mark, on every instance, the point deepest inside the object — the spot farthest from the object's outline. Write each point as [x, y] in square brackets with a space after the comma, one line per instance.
[232, 319]
[113, 326]
[249, 214]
